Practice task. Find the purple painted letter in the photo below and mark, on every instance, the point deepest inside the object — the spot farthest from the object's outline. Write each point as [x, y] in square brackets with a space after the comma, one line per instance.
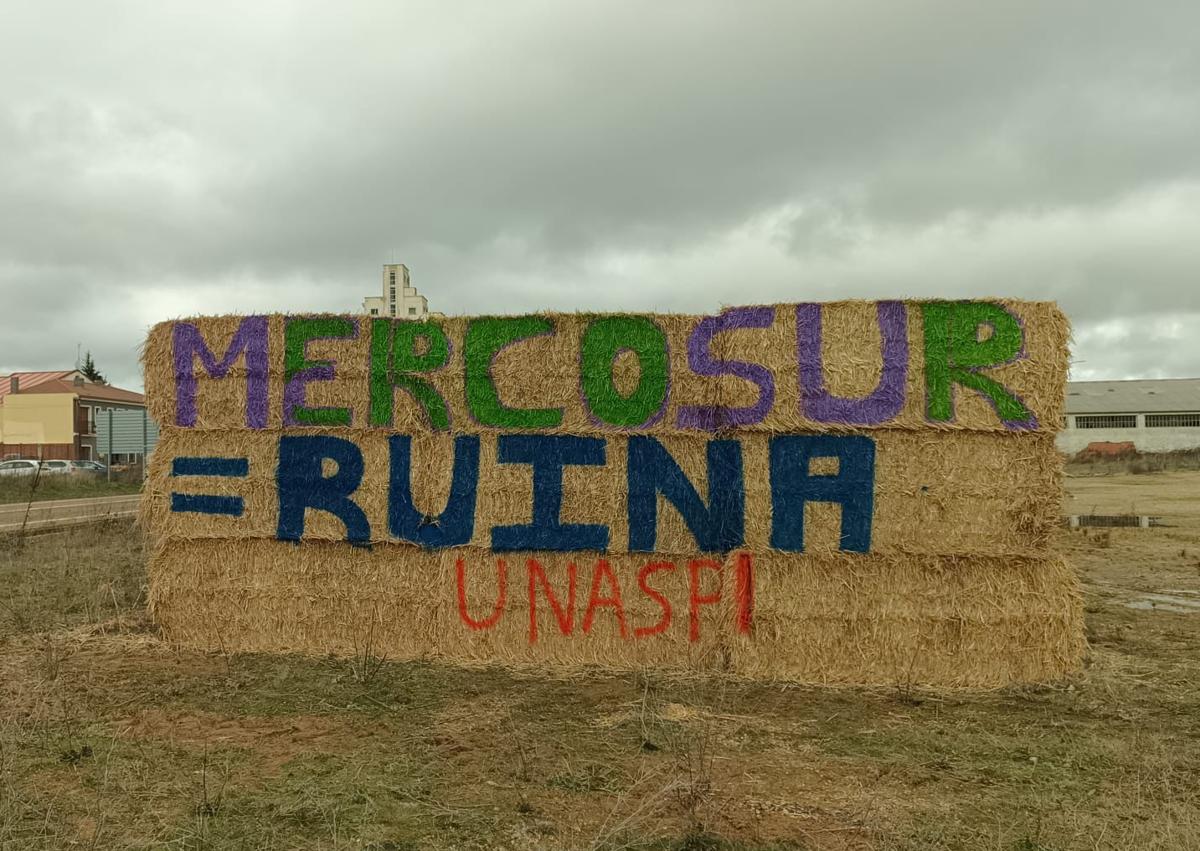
[250, 338]
[885, 401]
[701, 361]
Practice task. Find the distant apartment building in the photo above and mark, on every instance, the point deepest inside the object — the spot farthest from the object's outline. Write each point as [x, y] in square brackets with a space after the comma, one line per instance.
[400, 298]
[1155, 415]
[54, 415]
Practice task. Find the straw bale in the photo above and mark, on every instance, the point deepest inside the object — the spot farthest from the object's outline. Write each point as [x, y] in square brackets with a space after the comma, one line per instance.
[957, 493]
[953, 621]
[543, 372]
[934, 620]
[961, 586]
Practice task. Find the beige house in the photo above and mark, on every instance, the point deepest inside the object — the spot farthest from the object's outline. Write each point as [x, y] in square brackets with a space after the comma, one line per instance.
[400, 298]
[52, 415]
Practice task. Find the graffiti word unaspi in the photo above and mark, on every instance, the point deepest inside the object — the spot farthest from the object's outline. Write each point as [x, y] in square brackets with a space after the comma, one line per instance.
[559, 588]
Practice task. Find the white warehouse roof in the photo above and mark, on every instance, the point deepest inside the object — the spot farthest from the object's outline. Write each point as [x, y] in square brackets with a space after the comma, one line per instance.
[1142, 396]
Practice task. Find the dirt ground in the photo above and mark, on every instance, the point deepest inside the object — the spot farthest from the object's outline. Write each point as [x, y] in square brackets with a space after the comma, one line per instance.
[109, 739]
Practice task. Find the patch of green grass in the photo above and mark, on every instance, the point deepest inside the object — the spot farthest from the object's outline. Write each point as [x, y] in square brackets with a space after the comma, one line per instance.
[262, 684]
[989, 740]
[66, 784]
[321, 801]
[46, 585]
[18, 489]
[110, 739]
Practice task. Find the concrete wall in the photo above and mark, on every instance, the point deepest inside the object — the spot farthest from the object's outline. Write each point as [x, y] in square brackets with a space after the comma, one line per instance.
[1072, 440]
[406, 299]
[411, 305]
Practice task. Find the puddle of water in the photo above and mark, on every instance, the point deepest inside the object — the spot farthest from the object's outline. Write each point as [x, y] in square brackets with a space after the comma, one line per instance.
[1173, 602]
[1091, 521]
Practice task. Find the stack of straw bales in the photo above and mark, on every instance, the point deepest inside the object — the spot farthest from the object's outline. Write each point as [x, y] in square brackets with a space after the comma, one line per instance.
[961, 586]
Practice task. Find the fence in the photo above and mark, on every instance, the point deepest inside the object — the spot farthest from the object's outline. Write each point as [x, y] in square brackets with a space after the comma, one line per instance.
[122, 434]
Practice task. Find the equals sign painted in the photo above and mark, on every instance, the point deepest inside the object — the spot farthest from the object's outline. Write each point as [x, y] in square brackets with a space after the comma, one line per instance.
[209, 503]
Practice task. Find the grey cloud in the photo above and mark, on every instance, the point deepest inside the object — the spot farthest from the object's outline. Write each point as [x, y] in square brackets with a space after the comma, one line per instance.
[160, 159]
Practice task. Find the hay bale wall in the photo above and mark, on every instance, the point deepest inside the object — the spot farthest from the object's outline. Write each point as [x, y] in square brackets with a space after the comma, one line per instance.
[852, 492]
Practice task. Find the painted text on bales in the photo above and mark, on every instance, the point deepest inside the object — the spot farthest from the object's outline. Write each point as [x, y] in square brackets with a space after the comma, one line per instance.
[597, 458]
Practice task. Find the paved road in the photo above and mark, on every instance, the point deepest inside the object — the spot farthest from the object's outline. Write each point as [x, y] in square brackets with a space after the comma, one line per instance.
[66, 512]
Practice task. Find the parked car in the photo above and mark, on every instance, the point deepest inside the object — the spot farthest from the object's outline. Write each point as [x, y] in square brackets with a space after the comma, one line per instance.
[88, 467]
[20, 467]
[56, 468]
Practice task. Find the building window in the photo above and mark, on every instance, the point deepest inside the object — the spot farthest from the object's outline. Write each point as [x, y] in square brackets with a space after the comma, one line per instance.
[374, 311]
[1172, 420]
[412, 311]
[1107, 421]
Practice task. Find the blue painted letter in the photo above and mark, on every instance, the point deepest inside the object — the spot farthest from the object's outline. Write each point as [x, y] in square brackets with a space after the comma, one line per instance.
[718, 528]
[792, 485]
[456, 524]
[548, 454]
[302, 485]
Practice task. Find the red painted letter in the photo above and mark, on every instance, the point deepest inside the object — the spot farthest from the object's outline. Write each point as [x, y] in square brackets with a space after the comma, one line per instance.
[595, 601]
[744, 590]
[566, 619]
[657, 596]
[501, 596]
[696, 601]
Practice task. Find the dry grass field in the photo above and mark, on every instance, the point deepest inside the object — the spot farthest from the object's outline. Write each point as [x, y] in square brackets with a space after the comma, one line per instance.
[109, 739]
[22, 489]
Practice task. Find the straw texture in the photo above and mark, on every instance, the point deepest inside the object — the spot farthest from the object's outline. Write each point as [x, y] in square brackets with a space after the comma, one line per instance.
[934, 493]
[542, 371]
[939, 620]
[850, 492]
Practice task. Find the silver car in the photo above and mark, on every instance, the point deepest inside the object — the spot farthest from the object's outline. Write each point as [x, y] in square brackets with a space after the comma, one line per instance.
[87, 467]
[21, 467]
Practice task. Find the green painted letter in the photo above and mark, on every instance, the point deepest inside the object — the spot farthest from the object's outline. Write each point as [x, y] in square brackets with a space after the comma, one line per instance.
[954, 354]
[602, 341]
[486, 337]
[298, 370]
[395, 362]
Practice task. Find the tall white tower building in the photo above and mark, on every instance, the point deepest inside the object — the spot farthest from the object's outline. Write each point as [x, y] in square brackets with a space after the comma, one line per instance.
[400, 299]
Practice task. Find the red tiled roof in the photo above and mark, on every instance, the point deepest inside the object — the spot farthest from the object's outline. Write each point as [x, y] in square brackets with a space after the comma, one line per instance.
[27, 380]
[108, 393]
[98, 392]
[59, 382]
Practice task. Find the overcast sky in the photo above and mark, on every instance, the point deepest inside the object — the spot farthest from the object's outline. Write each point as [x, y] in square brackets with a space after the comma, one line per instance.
[162, 159]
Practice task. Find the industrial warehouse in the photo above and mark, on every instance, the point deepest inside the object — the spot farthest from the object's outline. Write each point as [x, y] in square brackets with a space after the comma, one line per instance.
[1154, 415]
